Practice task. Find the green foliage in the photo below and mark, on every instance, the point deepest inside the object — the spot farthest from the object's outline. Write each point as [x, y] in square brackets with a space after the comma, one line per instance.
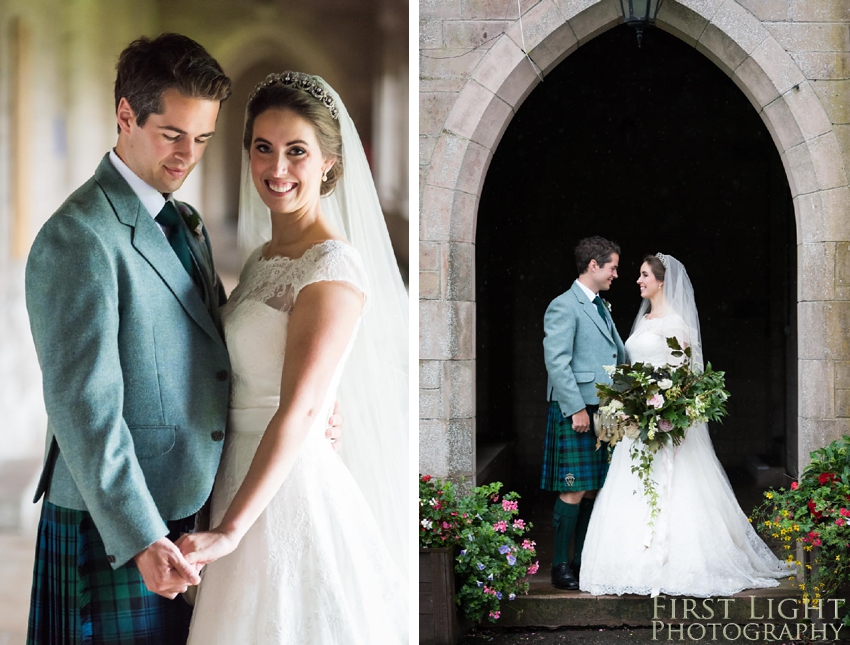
[494, 559]
[814, 513]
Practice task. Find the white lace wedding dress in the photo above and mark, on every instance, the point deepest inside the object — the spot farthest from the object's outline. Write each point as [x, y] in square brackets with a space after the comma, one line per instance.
[313, 569]
[703, 545]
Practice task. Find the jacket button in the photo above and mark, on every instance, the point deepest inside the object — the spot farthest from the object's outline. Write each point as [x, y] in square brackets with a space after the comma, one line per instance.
[221, 375]
[218, 435]
[613, 356]
[110, 559]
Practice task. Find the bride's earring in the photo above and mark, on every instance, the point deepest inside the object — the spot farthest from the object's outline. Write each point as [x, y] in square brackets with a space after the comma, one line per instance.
[325, 175]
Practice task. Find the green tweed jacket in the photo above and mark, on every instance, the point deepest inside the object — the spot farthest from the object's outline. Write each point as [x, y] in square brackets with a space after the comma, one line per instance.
[135, 372]
[576, 345]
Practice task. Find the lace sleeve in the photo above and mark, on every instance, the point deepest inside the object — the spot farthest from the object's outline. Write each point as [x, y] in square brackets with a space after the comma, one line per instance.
[334, 261]
[674, 326]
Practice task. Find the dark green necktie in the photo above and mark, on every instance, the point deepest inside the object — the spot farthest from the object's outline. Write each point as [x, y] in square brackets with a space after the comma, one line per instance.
[601, 309]
[169, 217]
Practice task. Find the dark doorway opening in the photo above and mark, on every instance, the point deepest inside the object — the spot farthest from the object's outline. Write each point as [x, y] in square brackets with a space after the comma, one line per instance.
[657, 149]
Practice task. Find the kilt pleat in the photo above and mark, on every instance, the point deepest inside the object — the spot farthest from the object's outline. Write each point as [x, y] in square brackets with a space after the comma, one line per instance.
[78, 599]
[571, 461]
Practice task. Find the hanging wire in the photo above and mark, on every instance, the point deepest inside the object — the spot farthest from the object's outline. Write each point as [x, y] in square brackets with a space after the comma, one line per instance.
[534, 66]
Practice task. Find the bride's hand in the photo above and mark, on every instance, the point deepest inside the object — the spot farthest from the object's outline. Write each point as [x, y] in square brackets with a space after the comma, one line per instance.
[205, 547]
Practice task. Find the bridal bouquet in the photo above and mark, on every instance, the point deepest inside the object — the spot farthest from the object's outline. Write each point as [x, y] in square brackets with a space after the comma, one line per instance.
[495, 558]
[655, 406]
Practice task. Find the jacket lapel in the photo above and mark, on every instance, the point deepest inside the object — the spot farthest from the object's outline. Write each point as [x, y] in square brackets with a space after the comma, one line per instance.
[149, 241]
[590, 310]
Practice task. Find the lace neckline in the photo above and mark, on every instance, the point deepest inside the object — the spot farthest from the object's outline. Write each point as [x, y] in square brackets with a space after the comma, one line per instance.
[329, 244]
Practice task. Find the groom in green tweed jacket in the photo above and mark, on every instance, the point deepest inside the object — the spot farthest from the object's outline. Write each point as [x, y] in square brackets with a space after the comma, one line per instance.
[580, 339]
[123, 302]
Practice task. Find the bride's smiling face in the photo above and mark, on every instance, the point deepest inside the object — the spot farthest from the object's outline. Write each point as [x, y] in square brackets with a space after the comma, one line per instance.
[648, 283]
[286, 161]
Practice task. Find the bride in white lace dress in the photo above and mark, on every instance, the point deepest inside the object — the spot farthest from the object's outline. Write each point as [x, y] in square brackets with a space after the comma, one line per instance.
[303, 549]
[703, 543]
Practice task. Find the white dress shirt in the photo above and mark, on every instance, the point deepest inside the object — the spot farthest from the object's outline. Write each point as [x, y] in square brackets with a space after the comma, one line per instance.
[151, 198]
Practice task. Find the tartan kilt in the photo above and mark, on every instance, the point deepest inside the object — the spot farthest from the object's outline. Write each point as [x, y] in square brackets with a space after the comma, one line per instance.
[571, 461]
[77, 598]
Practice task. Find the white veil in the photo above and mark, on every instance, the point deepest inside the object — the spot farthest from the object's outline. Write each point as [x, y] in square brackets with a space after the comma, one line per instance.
[373, 393]
[679, 298]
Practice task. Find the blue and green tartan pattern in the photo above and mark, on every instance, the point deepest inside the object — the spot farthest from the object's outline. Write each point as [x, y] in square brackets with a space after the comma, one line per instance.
[571, 461]
[77, 598]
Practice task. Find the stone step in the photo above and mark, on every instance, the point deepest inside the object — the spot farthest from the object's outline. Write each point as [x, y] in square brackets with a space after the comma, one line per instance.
[545, 606]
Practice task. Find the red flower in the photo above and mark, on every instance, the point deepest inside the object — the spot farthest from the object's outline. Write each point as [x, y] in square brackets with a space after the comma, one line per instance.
[817, 514]
[826, 477]
[794, 485]
[426, 478]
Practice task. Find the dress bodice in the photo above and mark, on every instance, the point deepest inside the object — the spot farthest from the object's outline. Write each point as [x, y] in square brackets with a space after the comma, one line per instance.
[648, 342]
[256, 316]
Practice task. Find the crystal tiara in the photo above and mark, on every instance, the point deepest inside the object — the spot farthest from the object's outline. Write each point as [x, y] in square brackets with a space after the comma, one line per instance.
[663, 259]
[303, 82]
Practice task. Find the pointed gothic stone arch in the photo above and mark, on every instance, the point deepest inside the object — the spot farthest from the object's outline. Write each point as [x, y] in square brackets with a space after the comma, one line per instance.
[740, 45]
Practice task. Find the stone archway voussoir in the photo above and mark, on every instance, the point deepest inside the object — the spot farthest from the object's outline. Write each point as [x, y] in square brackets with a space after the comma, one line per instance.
[768, 73]
[468, 110]
[731, 36]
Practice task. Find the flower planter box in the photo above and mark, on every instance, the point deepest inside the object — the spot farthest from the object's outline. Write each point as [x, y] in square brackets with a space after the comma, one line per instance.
[438, 622]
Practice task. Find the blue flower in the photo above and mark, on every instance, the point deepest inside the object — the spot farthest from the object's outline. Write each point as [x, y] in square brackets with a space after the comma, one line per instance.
[480, 583]
[470, 537]
[511, 560]
[463, 552]
[504, 549]
[480, 567]
[512, 596]
[490, 577]
[499, 595]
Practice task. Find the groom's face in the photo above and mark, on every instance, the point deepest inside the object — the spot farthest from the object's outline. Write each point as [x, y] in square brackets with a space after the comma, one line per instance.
[167, 147]
[604, 275]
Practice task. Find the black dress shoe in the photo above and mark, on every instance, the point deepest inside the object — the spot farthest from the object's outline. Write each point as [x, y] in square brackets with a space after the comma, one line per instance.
[576, 569]
[563, 577]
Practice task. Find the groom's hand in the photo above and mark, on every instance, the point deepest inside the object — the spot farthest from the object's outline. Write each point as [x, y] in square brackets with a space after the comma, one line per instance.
[581, 421]
[334, 431]
[164, 569]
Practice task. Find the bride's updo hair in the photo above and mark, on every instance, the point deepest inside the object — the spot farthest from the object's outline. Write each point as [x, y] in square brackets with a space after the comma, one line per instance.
[656, 266]
[303, 102]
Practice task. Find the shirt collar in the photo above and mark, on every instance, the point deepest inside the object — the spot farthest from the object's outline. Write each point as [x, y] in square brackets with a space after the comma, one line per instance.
[590, 295]
[151, 198]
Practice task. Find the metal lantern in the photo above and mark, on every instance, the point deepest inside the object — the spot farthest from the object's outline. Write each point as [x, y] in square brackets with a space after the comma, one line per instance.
[640, 14]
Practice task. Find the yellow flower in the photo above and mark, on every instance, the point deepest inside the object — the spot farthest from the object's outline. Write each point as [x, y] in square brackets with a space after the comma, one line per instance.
[838, 558]
[776, 535]
[802, 586]
[768, 523]
[769, 495]
[785, 546]
[808, 548]
[784, 513]
[750, 520]
[796, 527]
[809, 567]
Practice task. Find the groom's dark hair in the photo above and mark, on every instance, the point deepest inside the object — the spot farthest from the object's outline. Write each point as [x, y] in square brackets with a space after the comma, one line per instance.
[594, 248]
[149, 67]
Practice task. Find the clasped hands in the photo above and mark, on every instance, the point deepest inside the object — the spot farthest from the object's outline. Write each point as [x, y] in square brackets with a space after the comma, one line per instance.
[169, 568]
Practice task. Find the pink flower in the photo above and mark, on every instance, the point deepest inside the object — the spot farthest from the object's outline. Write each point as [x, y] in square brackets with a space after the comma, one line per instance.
[840, 521]
[508, 505]
[844, 512]
[501, 526]
[519, 524]
[495, 614]
[528, 545]
[533, 568]
[656, 401]
[794, 485]
[446, 525]
[665, 425]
